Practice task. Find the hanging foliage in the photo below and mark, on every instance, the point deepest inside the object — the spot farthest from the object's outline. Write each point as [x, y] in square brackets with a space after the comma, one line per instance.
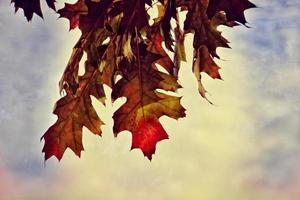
[119, 40]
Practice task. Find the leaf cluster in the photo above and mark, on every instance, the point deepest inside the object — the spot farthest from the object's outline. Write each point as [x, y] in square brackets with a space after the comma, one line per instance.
[120, 40]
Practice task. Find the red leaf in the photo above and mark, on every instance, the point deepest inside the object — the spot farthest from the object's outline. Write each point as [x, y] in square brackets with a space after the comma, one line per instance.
[73, 11]
[145, 105]
[119, 41]
[74, 111]
[146, 135]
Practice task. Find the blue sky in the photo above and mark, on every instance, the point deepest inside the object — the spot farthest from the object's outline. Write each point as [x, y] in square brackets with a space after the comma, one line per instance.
[253, 133]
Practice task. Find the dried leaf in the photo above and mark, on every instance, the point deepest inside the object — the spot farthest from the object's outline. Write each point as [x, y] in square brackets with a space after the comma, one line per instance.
[74, 112]
[144, 106]
[234, 9]
[31, 6]
[118, 40]
[73, 12]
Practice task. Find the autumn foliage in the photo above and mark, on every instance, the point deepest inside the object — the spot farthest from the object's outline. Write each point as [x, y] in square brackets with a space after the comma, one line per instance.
[119, 39]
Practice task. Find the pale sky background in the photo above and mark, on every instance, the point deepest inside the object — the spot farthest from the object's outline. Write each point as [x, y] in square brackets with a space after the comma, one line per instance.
[246, 147]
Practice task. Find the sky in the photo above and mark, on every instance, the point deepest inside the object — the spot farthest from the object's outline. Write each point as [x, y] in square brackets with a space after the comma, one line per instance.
[245, 147]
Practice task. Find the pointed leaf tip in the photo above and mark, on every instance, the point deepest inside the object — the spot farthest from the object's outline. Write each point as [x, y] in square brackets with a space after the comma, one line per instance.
[146, 135]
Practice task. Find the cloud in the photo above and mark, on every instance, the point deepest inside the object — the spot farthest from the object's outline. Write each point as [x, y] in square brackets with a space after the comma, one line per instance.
[271, 47]
[31, 54]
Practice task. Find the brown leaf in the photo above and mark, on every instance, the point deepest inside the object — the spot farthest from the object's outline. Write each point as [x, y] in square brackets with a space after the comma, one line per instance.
[155, 46]
[144, 106]
[96, 16]
[74, 111]
[170, 12]
[108, 66]
[205, 34]
[118, 39]
[179, 48]
[234, 9]
[206, 63]
[70, 75]
[73, 12]
[203, 62]
[31, 6]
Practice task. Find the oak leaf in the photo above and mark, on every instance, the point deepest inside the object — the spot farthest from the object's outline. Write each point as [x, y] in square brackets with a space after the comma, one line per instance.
[145, 105]
[119, 41]
[32, 6]
[73, 11]
[234, 9]
[75, 111]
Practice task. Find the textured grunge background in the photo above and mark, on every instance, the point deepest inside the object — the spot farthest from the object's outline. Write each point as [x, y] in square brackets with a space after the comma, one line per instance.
[247, 147]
